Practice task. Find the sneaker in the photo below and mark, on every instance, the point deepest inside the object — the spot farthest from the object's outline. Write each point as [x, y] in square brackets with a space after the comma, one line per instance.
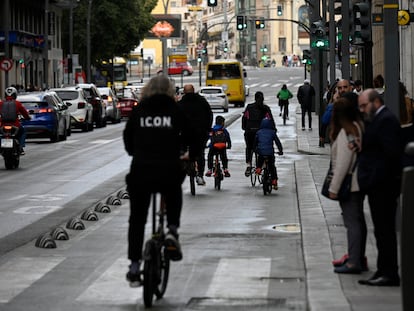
[172, 246]
[200, 181]
[209, 173]
[248, 171]
[274, 184]
[226, 173]
[22, 151]
[258, 171]
[134, 277]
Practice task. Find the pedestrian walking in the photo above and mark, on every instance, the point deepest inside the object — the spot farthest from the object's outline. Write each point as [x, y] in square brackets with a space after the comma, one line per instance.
[347, 127]
[379, 177]
[306, 95]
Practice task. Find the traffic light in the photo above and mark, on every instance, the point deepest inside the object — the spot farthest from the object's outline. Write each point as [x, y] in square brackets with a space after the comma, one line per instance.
[225, 47]
[260, 23]
[279, 10]
[257, 23]
[307, 57]
[21, 63]
[212, 2]
[319, 39]
[240, 22]
[362, 22]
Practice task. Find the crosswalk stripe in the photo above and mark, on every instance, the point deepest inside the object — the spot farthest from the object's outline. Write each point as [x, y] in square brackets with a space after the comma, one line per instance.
[254, 85]
[240, 278]
[111, 287]
[21, 273]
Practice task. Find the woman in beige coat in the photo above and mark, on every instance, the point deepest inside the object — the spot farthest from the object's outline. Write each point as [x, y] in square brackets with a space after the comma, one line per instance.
[346, 129]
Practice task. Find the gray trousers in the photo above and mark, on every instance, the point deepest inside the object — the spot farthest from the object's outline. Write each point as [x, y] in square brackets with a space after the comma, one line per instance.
[356, 227]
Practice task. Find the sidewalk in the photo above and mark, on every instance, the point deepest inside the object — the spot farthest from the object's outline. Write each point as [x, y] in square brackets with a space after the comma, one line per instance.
[324, 238]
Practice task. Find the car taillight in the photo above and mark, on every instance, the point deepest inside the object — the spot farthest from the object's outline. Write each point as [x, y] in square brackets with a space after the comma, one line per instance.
[45, 110]
[7, 127]
[135, 104]
[81, 105]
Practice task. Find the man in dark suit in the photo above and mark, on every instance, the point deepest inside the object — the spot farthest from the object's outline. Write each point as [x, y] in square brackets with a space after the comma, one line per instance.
[379, 177]
[305, 95]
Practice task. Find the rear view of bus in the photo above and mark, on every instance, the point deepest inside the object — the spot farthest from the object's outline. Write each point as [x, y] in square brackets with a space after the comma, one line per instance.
[228, 74]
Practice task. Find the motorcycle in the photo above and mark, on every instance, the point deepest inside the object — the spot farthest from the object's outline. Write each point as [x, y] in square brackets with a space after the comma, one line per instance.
[10, 147]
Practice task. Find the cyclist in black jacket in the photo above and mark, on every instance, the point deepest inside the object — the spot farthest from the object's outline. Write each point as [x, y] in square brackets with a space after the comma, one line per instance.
[199, 113]
[153, 137]
[251, 119]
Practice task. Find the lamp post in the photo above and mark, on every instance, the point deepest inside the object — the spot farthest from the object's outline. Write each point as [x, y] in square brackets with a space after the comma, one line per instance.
[88, 43]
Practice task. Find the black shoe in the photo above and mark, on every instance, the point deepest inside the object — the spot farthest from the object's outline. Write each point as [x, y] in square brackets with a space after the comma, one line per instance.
[381, 281]
[248, 171]
[172, 247]
[134, 279]
[22, 151]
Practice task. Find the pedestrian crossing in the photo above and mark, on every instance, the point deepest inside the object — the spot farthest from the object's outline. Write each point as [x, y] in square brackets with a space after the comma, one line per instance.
[274, 85]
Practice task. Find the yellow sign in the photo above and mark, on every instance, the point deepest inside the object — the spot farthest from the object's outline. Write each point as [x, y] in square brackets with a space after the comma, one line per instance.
[403, 17]
[195, 8]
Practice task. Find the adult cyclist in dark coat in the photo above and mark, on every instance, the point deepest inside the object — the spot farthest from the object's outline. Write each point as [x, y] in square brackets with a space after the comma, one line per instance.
[199, 113]
[251, 119]
[153, 137]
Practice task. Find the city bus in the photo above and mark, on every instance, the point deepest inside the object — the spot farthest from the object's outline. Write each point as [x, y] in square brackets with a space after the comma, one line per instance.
[112, 74]
[229, 74]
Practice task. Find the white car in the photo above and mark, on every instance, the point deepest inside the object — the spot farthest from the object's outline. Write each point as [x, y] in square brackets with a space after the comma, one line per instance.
[215, 96]
[81, 111]
[113, 111]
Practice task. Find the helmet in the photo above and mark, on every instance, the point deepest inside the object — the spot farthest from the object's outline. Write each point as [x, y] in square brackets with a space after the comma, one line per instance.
[11, 92]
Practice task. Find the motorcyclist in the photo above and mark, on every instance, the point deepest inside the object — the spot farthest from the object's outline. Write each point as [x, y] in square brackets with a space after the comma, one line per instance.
[9, 114]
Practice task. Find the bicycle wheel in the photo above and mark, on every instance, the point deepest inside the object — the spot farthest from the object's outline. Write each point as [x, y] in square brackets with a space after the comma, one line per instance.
[192, 175]
[285, 112]
[253, 178]
[163, 273]
[150, 273]
[218, 176]
[266, 181]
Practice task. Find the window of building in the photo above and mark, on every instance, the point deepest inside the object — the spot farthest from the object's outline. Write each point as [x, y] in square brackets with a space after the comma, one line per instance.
[282, 44]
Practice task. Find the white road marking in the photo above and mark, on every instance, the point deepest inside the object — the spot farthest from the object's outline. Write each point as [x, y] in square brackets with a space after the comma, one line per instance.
[112, 287]
[240, 278]
[37, 210]
[20, 273]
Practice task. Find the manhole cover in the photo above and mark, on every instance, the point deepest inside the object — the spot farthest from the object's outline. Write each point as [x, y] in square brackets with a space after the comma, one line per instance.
[290, 228]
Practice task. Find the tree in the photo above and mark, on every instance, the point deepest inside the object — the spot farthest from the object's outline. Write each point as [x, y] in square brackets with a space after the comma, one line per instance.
[116, 28]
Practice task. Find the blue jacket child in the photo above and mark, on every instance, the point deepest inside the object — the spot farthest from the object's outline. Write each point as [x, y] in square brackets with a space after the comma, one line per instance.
[219, 142]
[265, 137]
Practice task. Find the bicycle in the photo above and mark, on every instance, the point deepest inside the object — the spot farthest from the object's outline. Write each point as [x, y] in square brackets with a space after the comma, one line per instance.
[218, 172]
[156, 260]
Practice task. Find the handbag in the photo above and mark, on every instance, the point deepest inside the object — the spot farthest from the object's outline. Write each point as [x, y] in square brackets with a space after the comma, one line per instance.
[345, 189]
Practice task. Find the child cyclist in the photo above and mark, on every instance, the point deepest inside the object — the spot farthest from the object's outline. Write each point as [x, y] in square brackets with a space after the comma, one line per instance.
[265, 137]
[219, 142]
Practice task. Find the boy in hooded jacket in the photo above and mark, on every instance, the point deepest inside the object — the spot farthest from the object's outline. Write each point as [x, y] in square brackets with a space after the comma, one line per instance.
[265, 137]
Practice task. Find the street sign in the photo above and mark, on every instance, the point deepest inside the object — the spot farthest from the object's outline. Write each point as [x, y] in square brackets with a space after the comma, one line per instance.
[403, 17]
[6, 64]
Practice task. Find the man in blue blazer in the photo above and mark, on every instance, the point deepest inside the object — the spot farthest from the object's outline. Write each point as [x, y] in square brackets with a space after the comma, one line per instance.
[379, 177]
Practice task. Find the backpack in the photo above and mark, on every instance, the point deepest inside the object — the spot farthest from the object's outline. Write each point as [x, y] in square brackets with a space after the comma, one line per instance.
[255, 117]
[8, 112]
[219, 139]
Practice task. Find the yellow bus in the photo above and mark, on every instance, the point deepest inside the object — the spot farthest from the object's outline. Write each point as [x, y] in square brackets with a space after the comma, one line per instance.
[229, 74]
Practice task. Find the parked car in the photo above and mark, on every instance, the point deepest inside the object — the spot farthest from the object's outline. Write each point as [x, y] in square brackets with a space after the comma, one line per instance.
[113, 111]
[81, 111]
[49, 116]
[179, 68]
[127, 100]
[216, 97]
[95, 99]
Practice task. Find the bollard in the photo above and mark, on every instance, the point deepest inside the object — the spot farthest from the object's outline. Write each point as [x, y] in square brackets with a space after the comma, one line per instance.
[407, 235]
